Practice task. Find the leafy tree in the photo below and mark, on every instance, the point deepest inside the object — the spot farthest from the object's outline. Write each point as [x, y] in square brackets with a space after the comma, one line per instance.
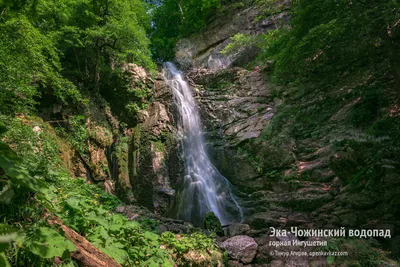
[29, 63]
[175, 19]
[97, 37]
[51, 48]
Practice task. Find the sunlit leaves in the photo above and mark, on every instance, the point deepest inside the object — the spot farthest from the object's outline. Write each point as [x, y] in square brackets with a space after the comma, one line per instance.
[12, 175]
[7, 235]
[29, 61]
[48, 243]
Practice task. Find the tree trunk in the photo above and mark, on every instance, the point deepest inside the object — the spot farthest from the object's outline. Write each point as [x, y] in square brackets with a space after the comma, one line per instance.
[97, 68]
[181, 10]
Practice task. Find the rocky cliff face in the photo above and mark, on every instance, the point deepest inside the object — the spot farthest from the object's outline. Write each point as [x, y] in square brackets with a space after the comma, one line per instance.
[302, 173]
[157, 153]
[298, 157]
[236, 106]
[295, 161]
[140, 164]
[203, 50]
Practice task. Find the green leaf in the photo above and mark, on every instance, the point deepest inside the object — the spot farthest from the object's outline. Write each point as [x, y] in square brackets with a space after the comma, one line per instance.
[330, 259]
[7, 235]
[167, 263]
[7, 229]
[18, 175]
[3, 128]
[151, 236]
[154, 264]
[49, 243]
[95, 219]
[6, 194]
[74, 202]
[104, 234]
[3, 260]
[116, 251]
[68, 264]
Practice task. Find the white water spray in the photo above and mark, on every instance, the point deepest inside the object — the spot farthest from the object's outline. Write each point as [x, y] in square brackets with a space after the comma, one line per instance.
[204, 189]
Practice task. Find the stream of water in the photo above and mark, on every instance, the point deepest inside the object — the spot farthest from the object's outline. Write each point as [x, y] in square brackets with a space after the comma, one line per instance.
[204, 189]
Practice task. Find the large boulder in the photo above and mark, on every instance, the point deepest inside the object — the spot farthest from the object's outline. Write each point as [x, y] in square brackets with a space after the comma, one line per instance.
[241, 247]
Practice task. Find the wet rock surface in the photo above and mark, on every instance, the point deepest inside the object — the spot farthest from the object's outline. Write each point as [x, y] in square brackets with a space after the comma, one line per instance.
[156, 151]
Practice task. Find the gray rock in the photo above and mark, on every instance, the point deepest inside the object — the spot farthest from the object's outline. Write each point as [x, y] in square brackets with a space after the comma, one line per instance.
[266, 219]
[238, 229]
[235, 264]
[241, 247]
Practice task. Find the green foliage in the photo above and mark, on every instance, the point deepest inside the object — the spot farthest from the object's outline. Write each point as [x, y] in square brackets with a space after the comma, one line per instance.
[53, 53]
[30, 138]
[49, 50]
[184, 243]
[239, 42]
[96, 34]
[38, 245]
[251, 159]
[367, 109]
[212, 223]
[126, 97]
[86, 213]
[361, 252]
[328, 40]
[270, 8]
[177, 19]
[159, 146]
[47, 243]
[29, 65]
[83, 207]
[79, 134]
[387, 126]
[13, 176]
[7, 235]
[279, 120]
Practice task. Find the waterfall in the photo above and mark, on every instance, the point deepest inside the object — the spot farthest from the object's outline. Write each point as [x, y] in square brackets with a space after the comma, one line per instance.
[204, 189]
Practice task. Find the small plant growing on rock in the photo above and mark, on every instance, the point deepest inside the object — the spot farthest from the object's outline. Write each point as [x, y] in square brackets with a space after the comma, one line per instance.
[212, 223]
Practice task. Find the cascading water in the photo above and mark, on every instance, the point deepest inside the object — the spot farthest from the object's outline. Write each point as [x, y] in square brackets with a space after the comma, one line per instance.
[204, 189]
